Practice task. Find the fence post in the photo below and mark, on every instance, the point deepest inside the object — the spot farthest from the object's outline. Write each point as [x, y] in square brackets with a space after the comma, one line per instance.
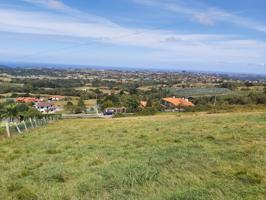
[26, 128]
[7, 129]
[36, 125]
[18, 129]
[31, 123]
[43, 121]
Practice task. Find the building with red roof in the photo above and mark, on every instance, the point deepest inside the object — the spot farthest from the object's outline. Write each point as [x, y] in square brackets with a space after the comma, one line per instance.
[172, 102]
[27, 100]
[143, 104]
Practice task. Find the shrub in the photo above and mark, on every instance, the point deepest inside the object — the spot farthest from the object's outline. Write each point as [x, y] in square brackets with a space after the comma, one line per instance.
[147, 111]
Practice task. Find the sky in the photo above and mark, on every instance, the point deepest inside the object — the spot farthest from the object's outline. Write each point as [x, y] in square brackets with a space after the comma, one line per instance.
[202, 35]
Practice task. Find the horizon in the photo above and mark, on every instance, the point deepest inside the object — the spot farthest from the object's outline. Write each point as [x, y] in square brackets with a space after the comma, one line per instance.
[121, 68]
[211, 36]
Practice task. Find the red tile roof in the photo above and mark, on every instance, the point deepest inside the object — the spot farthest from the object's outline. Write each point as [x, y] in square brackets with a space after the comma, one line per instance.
[179, 102]
[143, 103]
[27, 100]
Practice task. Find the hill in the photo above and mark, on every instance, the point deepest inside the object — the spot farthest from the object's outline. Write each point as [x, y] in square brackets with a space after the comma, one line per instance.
[167, 156]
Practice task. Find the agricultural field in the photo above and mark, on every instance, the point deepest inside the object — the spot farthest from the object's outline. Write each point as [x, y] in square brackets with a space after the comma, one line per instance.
[252, 88]
[88, 103]
[194, 92]
[103, 90]
[166, 156]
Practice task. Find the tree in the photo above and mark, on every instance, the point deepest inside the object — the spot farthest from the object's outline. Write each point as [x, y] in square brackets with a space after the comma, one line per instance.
[22, 107]
[114, 99]
[69, 107]
[78, 110]
[149, 103]
[10, 111]
[81, 107]
[107, 104]
[31, 112]
[132, 104]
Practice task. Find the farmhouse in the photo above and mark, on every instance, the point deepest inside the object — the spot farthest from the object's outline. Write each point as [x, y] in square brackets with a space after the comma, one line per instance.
[27, 100]
[56, 98]
[45, 107]
[172, 102]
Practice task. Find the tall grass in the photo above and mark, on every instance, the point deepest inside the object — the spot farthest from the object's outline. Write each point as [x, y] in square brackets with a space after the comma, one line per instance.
[169, 156]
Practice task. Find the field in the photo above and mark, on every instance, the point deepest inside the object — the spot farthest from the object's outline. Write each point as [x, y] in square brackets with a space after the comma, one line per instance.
[88, 103]
[167, 156]
[194, 92]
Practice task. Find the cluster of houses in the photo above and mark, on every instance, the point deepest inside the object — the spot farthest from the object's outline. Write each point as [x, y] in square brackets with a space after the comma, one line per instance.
[47, 105]
[169, 104]
[43, 105]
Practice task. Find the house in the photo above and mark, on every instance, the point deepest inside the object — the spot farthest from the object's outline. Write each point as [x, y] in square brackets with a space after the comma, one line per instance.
[56, 98]
[173, 103]
[45, 107]
[111, 111]
[27, 100]
[143, 104]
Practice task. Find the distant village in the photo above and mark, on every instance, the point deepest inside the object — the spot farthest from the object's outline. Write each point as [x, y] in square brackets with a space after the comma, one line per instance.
[114, 92]
[43, 105]
[46, 105]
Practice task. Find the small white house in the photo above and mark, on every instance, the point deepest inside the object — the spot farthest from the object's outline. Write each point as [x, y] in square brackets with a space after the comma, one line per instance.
[45, 107]
[56, 98]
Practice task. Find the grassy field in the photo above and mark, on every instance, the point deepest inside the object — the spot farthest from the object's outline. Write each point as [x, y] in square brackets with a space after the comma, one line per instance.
[168, 156]
[195, 92]
[88, 103]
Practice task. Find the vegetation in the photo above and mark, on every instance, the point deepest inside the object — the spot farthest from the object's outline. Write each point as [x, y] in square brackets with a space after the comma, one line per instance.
[47, 83]
[187, 92]
[167, 156]
[12, 111]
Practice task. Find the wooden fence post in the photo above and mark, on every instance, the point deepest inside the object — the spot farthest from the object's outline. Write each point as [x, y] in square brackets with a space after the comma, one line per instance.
[31, 123]
[36, 125]
[26, 128]
[7, 130]
[18, 129]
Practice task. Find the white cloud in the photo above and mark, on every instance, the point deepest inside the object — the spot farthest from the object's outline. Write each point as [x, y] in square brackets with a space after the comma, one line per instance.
[206, 15]
[47, 24]
[178, 46]
[59, 6]
[51, 4]
[168, 46]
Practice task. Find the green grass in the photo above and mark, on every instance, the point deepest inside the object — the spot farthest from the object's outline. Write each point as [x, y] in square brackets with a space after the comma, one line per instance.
[200, 91]
[169, 156]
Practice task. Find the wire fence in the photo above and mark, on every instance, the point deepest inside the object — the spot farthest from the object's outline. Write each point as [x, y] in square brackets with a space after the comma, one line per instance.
[13, 128]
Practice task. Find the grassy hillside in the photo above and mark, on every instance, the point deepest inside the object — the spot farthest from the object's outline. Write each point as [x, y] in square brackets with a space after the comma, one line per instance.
[170, 156]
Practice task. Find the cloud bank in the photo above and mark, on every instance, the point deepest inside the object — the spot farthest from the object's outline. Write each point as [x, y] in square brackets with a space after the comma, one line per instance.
[166, 46]
[206, 15]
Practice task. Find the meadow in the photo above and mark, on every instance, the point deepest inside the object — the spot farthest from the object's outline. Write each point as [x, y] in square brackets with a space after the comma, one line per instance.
[195, 92]
[167, 156]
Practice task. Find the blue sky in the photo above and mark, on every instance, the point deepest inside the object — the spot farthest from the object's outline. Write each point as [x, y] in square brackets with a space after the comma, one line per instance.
[211, 35]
